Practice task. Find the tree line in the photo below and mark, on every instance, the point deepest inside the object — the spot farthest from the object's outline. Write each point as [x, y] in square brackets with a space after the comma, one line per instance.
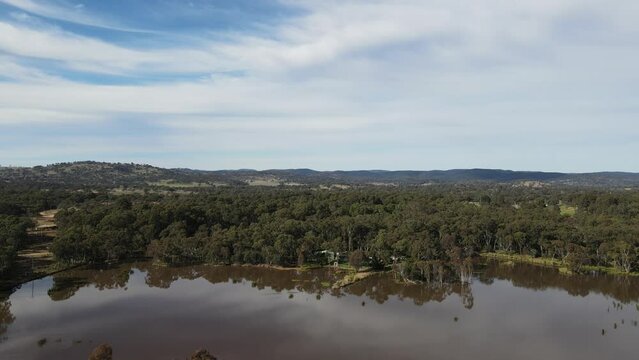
[427, 230]
[14, 224]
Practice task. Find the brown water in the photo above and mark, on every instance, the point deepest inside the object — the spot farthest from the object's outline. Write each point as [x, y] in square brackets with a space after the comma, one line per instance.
[147, 312]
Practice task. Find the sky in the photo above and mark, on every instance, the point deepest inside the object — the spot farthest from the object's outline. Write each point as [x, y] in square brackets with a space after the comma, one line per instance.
[546, 85]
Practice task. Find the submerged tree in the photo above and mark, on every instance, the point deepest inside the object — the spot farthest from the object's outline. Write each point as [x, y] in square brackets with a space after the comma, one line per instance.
[356, 258]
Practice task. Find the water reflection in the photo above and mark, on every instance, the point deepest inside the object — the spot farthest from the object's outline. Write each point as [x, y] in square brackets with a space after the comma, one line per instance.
[621, 288]
[67, 283]
[379, 287]
[155, 311]
[6, 317]
[382, 287]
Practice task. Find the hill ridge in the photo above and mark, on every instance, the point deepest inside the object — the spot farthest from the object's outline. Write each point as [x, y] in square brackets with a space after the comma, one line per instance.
[94, 173]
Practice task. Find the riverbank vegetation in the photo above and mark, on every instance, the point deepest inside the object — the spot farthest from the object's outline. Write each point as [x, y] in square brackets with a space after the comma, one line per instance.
[425, 232]
[564, 266]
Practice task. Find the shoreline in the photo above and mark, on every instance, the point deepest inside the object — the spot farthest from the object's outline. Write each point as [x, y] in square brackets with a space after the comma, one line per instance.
[22, 276]
[554, 263]
[9, 285]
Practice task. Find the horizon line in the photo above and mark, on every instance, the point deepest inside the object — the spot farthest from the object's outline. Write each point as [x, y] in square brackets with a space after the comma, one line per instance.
[316, 170]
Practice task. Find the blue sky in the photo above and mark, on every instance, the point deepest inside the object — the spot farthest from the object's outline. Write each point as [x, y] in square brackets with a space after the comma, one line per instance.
[325, 84]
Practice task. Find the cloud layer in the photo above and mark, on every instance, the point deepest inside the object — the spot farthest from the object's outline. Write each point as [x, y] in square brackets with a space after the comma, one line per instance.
[344, 84]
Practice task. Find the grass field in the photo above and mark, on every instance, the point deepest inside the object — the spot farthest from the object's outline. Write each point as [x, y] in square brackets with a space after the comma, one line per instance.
[567, 210]
[182, 185]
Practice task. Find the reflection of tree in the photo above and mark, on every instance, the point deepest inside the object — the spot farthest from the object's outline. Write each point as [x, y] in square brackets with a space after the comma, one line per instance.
[622, 288]
[162, 276]
[379, 287]
[383, 286]
[6, 317]
[315, 281]
[466, 295]
[67, 283]
[64, 287]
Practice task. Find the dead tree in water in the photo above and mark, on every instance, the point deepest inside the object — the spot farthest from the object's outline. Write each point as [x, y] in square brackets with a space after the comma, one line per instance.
[466, 271]
[105, 352]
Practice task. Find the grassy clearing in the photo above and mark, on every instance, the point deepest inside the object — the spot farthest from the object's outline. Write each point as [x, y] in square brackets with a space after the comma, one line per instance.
[45, 224]
[264, 181]
[567, 210]
[525, 259]
[608, 270]
[178, 185]
[347, 267]
[311, 266]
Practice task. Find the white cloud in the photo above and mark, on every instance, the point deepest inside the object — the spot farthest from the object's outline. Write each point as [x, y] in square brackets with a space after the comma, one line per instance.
[11, 69]
[392, 79]
[456, 32]
[93, 55]
[21, 116]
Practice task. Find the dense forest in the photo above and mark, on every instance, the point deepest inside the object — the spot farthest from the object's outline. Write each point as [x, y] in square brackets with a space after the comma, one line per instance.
[422, 227]
[424, 231]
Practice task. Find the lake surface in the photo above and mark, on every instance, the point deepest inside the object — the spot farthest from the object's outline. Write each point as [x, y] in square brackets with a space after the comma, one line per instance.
[239, 312]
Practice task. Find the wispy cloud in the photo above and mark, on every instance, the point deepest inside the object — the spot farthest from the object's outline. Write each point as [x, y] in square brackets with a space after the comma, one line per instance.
[439, 84]
[68, 12]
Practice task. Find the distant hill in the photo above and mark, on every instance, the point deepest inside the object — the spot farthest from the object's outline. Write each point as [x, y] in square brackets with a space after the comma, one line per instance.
[90, 173]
